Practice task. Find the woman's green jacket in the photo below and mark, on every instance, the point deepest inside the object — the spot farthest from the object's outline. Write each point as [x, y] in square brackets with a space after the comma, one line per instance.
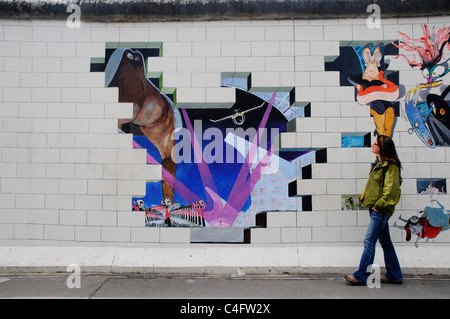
[382, 190]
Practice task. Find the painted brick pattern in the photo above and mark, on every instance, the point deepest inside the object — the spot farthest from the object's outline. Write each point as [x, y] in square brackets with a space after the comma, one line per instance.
[67, 175]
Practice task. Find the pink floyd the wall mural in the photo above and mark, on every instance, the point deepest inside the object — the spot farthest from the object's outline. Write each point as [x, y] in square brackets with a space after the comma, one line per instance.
[221, 167]
[362, 65]
[427, 105]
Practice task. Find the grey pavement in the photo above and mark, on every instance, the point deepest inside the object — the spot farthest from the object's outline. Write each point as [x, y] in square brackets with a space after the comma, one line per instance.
[165, 286]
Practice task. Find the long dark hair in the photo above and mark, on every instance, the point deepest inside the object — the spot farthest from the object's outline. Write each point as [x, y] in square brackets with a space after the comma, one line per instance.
[387, 150]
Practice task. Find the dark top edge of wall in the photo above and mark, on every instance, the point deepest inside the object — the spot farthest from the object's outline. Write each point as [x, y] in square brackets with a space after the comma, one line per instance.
[192, 10]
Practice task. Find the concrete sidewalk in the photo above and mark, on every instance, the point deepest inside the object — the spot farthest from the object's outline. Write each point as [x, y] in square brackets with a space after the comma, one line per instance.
[195, 288]
[214, 259]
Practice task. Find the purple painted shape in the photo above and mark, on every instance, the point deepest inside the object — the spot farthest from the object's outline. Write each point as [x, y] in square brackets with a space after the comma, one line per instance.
[214, 216]
[181, 189]
[235, 204]
[150, 159]
[239, 194]
[217, 214]
[203, 167]
[224, 216]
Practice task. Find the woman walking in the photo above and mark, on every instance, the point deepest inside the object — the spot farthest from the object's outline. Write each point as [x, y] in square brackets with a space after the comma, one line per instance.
[380, 196]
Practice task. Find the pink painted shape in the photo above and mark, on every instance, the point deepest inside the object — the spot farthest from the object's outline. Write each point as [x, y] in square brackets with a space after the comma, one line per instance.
[214, 216]
[205, 173]
[221, 215]
[150, 159]
[241, 190]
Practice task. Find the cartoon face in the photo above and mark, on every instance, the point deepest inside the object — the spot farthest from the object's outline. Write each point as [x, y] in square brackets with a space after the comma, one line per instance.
[134, 56]
[439, 110]
[415, 229]
[433, 74]
[372, 63]
[414, 219]
[135, 60]
[166, 202]
[430, 49]
[140, 203]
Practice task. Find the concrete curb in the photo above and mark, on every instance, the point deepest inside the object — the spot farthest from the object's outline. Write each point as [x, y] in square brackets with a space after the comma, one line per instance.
[193, 10]
[216, 259]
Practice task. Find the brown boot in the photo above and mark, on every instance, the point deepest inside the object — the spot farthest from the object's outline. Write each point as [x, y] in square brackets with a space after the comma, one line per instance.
[352, 281]
[384, 280]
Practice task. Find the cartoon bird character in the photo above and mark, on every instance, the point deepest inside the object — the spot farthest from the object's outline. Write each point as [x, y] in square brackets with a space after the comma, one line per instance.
[439, 120]
[430, 50]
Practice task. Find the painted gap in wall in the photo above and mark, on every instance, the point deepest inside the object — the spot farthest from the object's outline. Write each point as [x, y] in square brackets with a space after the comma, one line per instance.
[431, 186]
[352, 202]
[354, 139]
[233, 172]
[363, 65]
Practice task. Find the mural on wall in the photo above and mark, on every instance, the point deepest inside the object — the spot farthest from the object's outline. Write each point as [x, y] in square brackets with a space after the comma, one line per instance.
[220, 166]
[352, 202]
[427, 105]
[374, 89]
[362, 65]
[429, 224]
[153, 113]
[431, 186]
[355, 140]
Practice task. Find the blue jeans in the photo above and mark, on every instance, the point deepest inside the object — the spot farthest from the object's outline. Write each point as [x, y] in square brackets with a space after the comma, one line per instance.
[378, 230]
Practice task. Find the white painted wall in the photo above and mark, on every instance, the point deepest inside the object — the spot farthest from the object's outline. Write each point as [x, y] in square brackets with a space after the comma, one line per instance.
[66, 176]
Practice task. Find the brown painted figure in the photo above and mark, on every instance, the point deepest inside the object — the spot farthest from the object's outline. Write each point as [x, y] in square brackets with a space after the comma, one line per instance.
[152, 113]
